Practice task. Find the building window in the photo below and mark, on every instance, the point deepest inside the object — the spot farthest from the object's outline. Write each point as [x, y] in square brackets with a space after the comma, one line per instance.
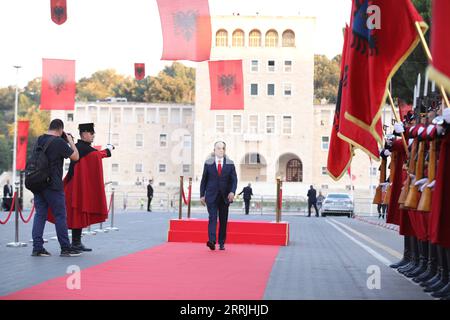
[252, 158]
[162, 184]
[221, 38]
[287, 89]
[294, 171]
[187, 141]
[237, 124]
[151, 115]
[254, 65]
[288, 38]
[140, 115]
[93, 113]
[70, 117]
[348, 187]
[254, 38]
[254, 89]
[324, 171]
[162, 168]
[271, 89]
[373, 171]
[272, 38]
[287, 65]
[115, 139]
[270, 124]
[238, 38]
[163, 140]
[325, 117]
[175, 115]
[104, 115]
[253, 124]
[271, 65]
[163, 115]
[287, 124]
[187, 116]
[117, 117]
[220, 123]
[325, 143]
[324, 186]
[139, 140]
[186, 168]
[115, 167]
[138, 168]
[128, 115]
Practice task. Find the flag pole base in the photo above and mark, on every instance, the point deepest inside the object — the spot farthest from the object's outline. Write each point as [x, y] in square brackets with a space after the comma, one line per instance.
[112, 229]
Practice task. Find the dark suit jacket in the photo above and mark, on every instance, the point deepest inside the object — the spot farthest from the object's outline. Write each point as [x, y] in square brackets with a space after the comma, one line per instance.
[7, 191]
[248, 192]
[312, 195]
[149, 191]
[212, 185]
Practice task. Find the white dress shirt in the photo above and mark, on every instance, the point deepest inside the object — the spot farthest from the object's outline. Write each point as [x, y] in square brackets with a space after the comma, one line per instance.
[217, 162]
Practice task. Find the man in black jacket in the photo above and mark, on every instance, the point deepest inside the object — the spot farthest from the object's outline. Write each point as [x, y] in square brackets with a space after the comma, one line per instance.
[248, 192]
[312, 201]
[7, 190]
[149, 196]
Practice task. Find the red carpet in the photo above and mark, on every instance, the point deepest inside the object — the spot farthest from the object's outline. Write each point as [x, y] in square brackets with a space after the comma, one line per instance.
[172, 271]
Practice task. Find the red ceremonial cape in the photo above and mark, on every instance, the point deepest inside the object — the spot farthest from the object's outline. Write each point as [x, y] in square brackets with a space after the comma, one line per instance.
[439, 225]
[85, 192]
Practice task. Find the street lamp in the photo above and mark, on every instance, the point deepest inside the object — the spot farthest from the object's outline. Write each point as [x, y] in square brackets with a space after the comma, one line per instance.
[16, 108]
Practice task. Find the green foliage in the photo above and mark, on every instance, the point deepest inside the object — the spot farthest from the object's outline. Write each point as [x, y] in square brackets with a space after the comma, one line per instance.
[326, 78]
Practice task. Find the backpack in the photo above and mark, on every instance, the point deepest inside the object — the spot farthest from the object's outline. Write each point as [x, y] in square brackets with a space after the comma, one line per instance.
[37, 170]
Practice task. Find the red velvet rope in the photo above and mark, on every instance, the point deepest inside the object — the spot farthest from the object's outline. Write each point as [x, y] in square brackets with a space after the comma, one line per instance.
[10, 210]
[186, 202]
[29, 217]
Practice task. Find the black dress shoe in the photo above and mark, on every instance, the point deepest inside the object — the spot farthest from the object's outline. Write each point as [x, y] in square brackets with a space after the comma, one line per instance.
[222, 247]
[211, 245]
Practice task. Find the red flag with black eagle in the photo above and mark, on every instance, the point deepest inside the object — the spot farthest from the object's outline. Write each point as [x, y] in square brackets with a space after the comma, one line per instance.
[340, 152]
[186, 29]
[22, 143]
[58, 11]
[439, 70]
[226, 82]
[139, 71]
[58, 84]
[383, 34]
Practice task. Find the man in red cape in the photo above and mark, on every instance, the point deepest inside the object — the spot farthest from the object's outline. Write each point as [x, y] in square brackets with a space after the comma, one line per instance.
[84, 187]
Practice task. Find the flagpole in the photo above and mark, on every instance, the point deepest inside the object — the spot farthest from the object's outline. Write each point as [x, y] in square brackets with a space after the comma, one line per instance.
[16, 111]
[397, 119]
[430, 58]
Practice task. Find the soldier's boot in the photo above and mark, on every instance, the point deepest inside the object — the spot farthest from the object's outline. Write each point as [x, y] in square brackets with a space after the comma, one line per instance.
[406, 254]
[76, 241]
[415, 258]
[443, 273]
[423, 260]
[431, 266]
[445, 291]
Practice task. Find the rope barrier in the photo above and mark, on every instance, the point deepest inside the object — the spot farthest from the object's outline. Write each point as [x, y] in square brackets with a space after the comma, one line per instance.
[29, 217]
[10, 210]
[188, 200]
[110, 203]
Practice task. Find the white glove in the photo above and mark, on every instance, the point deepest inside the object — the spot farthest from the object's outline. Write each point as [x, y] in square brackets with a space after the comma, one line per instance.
[399, 128]
[431, 184]
[387, 153]
[421, 182]
[110, 147]
[446, 115]
[384, 184]
[410, 141]
[439, 130]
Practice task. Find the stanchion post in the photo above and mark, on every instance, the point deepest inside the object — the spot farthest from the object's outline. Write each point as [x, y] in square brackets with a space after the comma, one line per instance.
[112, 228]
[180, 199]
[277, 205]
[16, 243]
[189, 199]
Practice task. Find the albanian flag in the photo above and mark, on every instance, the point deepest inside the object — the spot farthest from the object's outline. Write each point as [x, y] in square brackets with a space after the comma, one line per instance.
[58, 84]
[139, 71]
[340, 151]
[439, 70]
[383, 34]
[22, 143]
[186, 29]
[226, 82]
[58, 11]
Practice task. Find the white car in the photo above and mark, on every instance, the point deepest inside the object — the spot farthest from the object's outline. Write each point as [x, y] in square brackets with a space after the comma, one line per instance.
[337, 203]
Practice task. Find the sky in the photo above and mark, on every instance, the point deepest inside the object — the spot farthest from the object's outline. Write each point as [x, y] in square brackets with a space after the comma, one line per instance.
[101, 34]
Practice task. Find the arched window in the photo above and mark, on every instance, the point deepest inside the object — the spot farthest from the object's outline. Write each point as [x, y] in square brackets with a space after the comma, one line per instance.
[288, 38]
[294, 171]
[238, 38]
[272, 38]
[254, 38]
[222, 38]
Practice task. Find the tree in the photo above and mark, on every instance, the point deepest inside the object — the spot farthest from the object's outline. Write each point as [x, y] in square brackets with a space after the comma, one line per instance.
[326, 78]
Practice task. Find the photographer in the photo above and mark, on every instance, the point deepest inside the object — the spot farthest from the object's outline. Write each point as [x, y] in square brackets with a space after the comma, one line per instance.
[56, 145]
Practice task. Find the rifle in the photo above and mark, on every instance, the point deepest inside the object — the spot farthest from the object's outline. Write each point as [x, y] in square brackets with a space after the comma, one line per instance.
[427, 194]
[378, 199]
[410, 171]
[387, 197]
[412, 199]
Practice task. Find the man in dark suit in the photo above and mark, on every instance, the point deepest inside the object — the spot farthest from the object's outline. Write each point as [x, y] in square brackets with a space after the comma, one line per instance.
[7, 190]
[312, 201]
[149, 196]
[217, 190]
[248, 192]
